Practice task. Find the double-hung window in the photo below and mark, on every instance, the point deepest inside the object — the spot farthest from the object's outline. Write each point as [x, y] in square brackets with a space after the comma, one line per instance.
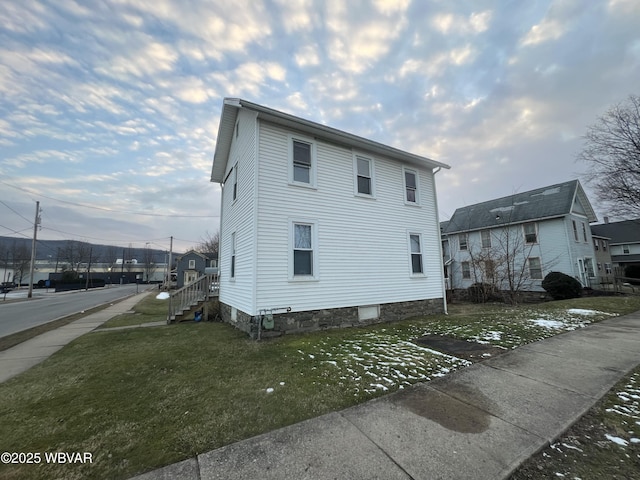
[192, 264]
[302, 155]
[364, 175]
[486, 238]
[535, 269]
[304, 260]
[415, 243]
[235, 182]
[530, 233]
[411, 186]
[463, 239]
[466, 270]
[584, 231]
[625, 249]
[575, 230]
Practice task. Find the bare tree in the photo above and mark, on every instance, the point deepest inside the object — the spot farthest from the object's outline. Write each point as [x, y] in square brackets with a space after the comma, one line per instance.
[612, 150]
[110, 256]
[21, 258]
[75, 253]
[150, 266]
[209, 244]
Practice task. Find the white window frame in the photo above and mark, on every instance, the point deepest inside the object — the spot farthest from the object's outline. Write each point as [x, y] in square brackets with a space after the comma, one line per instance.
[234, 179]
[312, 169]
[421, 273]
[356, 175]
[465, 237]
[607, 268]
[538, 267]
[406, 170]
[315, 274]
[604, 245]
[485, 238]
[535, 232]
[589, 267]
[596, 244]
[584, 232]
[626, 249]
[233, 267]
[192, 264]
[575, 230]
[467, 270]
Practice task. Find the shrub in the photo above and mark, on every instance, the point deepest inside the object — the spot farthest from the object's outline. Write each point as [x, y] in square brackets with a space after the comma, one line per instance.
[482, 292]
[561, 286]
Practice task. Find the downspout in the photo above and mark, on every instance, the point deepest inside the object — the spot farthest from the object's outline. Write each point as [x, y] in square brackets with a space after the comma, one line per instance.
[435, 198]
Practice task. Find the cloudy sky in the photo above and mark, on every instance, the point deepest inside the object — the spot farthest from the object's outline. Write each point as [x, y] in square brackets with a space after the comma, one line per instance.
[110, 108]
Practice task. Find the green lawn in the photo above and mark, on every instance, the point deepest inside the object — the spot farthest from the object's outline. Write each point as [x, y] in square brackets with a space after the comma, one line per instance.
[138, 399]
[149, 309]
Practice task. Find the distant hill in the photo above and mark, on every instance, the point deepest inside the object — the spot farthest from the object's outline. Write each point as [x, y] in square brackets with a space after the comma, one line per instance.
[48, 249]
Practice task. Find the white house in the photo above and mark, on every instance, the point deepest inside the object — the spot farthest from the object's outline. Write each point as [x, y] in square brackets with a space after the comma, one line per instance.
[624, 241]
[521, 238]
[330, 227]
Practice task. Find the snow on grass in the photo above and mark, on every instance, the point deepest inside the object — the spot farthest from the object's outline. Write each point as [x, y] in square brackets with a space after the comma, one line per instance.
[628, 406]
[379, 361]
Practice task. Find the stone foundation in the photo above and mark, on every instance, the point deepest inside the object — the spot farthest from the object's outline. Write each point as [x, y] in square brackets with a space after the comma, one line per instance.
[308, 321]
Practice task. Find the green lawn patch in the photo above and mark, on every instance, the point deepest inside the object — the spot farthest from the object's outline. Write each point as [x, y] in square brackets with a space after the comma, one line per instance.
[138, 399]
[148, 310]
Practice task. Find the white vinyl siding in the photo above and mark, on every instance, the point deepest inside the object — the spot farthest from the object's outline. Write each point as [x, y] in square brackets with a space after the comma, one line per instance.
[237, 217]
[352, 252]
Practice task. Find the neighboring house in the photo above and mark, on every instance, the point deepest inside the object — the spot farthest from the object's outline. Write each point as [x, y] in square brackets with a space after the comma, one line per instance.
[192, 265]
[624, 241]
[306, 211]
[513, 242]
[604, 263]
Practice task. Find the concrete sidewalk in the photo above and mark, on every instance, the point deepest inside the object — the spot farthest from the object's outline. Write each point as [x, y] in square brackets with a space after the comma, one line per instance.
[480, 422]
[22, 357]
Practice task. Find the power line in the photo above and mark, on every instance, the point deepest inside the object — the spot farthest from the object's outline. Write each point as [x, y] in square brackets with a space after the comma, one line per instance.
[17, 213]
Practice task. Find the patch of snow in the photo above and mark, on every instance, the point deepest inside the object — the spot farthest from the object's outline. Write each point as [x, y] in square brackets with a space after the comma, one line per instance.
[163, 295]
[541, 322]
[269, 390]
[281, 384]
[617, 440]
[582, 311]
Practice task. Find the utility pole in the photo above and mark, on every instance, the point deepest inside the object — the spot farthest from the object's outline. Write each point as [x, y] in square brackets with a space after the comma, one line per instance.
[36, 222]
[169, 280]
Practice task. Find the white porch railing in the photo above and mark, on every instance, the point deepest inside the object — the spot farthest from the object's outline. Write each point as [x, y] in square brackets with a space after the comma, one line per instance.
[190, 295]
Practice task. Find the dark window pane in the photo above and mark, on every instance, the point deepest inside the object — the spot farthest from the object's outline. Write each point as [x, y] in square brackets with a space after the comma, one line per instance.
[302, 262]
[302, 153]
[411, 195]
[364, 185]
[410, 180]
[416, 263]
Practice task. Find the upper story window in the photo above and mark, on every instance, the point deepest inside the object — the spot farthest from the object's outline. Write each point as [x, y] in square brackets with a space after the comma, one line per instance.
[364, 175]
[625, 249]
[192, 264]
[302, 161]
[235, 181]
[575, 230]
[584, 231]
[596, 244]
[411, 186]
[485, 236]
[604, 245]
[530, 233]
[415, 243]
[463, 239]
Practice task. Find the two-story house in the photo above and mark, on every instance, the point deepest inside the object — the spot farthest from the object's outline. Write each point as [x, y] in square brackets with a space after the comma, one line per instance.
[333, 228]
[191, 265]
[624, 242]
[514, 241]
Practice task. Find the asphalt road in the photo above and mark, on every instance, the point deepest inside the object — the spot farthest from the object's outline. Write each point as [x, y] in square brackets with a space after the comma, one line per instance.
[45, 307]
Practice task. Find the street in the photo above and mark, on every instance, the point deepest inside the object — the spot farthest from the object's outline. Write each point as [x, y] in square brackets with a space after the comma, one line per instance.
[45, 307]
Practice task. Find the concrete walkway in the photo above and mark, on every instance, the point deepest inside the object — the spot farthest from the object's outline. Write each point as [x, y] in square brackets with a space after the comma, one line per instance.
[23, 356]
[480, 422]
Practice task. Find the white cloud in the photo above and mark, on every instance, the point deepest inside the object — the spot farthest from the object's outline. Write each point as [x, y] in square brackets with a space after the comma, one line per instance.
[543, 32]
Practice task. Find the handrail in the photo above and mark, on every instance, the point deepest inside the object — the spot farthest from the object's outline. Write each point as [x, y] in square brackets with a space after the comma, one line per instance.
[197, 291]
